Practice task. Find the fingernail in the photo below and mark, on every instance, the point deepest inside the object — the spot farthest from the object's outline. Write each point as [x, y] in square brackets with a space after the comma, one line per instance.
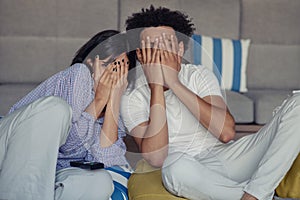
[148, 38]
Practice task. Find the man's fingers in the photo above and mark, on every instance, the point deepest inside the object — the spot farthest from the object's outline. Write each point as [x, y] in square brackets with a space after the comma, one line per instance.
[162, 48]
[144, 56]
[166, 43]
[174, 44]
[161, 54]
[155, 48]
[148, 49]
[157, 57]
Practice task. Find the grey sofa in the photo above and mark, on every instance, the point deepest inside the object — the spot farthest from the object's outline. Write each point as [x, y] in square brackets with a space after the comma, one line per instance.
[37, 39]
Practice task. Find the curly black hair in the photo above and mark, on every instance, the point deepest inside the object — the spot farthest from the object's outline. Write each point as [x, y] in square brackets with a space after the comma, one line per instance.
[154, 17]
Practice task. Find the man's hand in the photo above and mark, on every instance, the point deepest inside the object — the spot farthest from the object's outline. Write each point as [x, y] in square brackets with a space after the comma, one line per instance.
[171, 55]
[150, 60]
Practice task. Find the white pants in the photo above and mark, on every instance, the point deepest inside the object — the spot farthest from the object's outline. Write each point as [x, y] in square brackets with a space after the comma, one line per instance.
[254, 164]
[29, 141]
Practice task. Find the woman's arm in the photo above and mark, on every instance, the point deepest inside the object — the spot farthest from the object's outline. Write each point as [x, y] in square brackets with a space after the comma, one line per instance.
[109, 131]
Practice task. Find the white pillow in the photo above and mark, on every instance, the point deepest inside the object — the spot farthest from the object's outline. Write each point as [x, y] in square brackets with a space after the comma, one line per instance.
[227, 58]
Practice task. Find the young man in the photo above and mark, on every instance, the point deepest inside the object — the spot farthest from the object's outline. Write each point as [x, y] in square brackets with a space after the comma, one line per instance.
[179, 120]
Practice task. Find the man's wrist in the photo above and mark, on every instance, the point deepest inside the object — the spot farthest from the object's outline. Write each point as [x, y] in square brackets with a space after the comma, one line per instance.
[155, 86]
[175, 84]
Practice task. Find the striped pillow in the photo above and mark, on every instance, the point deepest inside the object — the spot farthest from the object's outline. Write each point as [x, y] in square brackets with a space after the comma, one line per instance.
[120, 176]
[227, 58]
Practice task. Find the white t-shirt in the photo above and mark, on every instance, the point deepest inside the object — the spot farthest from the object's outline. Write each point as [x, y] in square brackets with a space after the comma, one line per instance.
[186, 134]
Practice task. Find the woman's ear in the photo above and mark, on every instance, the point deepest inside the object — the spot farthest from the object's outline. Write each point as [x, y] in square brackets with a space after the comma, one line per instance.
[89, 62]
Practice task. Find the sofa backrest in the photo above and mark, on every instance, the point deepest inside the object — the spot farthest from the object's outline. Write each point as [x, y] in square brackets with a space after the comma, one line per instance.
[211, 17]
[274, 29]
[39, 38]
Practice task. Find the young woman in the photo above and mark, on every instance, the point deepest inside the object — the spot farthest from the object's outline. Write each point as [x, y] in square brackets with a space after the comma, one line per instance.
[72, 116]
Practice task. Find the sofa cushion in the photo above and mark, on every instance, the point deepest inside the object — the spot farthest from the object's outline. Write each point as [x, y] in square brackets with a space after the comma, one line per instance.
[240, 106]
[11, 93]
[227, 58]
[146, 184]
[273, 67]
[290, 184]
[265, 103]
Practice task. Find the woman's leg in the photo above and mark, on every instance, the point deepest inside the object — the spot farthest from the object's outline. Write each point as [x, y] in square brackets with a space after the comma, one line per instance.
[75, 183]
[29, 142]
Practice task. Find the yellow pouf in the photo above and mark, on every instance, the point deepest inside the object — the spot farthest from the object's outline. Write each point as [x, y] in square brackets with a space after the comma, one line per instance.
[289, 187]
[146, 184]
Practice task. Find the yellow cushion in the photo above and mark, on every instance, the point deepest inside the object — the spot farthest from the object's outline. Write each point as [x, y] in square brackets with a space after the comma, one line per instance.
[289, 187]
[146, 184]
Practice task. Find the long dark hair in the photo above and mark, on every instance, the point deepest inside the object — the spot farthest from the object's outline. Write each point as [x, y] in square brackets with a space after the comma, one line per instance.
[106, 44]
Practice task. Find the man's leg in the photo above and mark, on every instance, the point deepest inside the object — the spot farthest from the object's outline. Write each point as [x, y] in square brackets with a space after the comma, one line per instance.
[29, 141]
[254, 162]
[281, 153]
[185, 176]
[75, 183]
[262, 159]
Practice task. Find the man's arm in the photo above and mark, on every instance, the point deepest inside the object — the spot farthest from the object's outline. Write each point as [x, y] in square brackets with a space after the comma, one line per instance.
[211, 112]
[152, 136]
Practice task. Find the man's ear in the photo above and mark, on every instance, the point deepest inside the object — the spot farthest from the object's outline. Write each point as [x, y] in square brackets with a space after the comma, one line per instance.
[180, 49]
[139, 55]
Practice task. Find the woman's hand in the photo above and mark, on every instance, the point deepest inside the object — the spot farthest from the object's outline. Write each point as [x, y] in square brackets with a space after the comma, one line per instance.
[119, 77]
[149, 57]
[104, 84]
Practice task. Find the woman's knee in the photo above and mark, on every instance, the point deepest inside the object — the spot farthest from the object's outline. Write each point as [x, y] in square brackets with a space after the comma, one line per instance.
[78, 183]
[58, 105]
[104, 186]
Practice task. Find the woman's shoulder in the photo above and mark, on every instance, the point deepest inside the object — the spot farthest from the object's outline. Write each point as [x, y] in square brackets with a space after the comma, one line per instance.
[77, 69]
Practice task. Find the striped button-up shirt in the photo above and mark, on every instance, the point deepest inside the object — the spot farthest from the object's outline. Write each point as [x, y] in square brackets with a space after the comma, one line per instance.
[75, 86]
